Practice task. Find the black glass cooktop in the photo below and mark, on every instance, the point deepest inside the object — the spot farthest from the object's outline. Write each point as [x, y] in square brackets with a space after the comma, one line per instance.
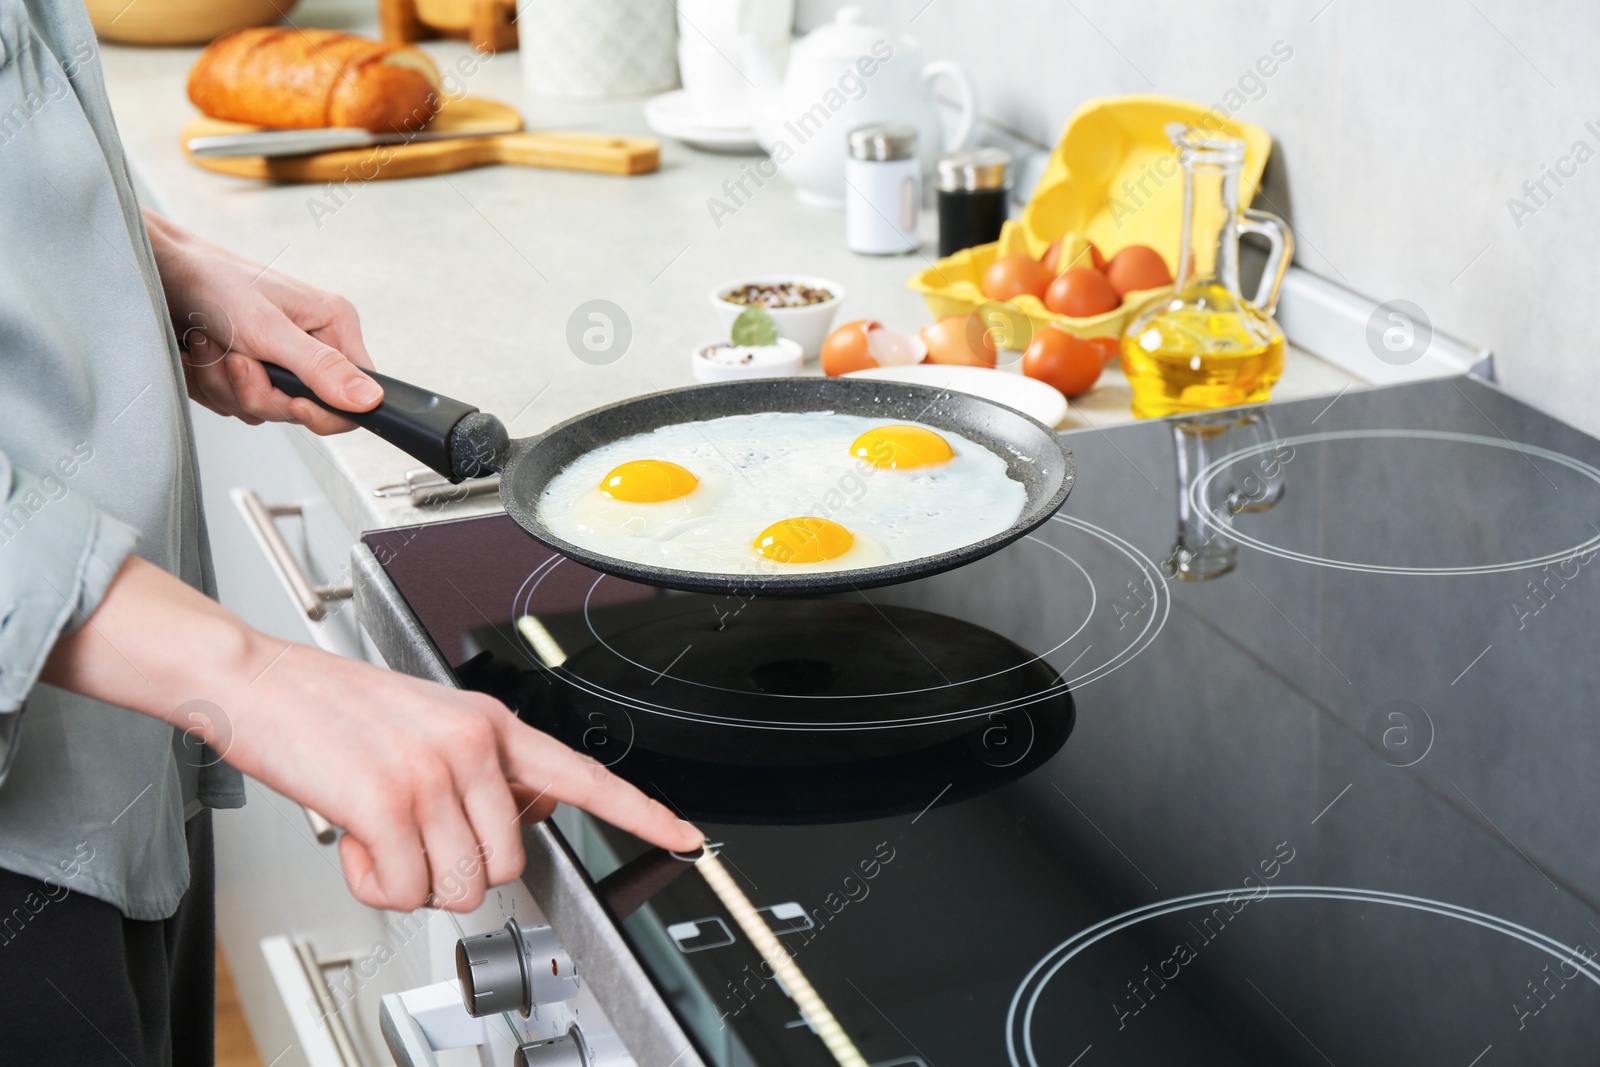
[1278, 745]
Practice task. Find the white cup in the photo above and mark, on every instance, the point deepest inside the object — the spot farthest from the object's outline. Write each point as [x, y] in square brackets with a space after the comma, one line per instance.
[709, 60]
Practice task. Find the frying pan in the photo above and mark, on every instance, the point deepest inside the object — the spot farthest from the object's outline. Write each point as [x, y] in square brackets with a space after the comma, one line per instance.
[460, 442]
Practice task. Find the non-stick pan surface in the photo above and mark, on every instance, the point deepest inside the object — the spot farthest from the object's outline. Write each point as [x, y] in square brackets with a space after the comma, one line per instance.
[411, 418]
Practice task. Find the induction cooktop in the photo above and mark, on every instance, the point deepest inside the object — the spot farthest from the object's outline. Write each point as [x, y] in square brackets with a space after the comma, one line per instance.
[1278, 745]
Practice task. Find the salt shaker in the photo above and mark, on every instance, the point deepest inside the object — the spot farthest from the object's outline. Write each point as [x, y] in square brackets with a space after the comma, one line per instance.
[974, 188]
[883, 189]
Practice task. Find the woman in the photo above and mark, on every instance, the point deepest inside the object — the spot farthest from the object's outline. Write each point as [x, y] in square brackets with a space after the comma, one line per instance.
[115, 663]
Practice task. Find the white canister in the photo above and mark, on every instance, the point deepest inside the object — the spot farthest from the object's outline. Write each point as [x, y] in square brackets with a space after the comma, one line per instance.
[883, 189]
[597, 49]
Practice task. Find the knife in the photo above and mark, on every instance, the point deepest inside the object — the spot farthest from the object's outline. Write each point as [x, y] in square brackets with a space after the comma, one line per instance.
[311, 142]
[308, 155]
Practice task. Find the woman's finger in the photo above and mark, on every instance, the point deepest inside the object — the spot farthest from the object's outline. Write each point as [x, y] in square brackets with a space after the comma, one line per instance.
[342, 329]
[538, 761]
[496, 825]
[456, 868]
[532, 807]
[192, 386]
[257, 395]
[212, 382]
[324, 368]
[384, 864]
[253, 393]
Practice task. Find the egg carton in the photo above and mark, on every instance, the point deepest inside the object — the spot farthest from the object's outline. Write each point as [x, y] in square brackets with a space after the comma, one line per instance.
[1114, 180]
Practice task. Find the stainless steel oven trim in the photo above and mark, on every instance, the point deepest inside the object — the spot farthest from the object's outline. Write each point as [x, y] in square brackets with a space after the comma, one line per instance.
[641, 1016]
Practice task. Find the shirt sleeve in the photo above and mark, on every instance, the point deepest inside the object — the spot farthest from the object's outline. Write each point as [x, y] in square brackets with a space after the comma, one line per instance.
[58, 554]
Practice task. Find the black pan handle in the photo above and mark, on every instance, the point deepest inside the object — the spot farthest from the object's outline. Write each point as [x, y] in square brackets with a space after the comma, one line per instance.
[454, 439]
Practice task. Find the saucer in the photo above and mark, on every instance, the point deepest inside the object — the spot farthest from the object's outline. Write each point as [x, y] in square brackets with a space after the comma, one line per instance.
[675, 115]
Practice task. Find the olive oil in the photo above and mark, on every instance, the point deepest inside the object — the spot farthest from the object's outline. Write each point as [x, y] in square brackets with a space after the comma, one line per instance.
[1208, 351]
[1207, 346]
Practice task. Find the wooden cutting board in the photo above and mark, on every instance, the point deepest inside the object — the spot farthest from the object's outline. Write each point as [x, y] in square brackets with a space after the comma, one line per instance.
[503, 140]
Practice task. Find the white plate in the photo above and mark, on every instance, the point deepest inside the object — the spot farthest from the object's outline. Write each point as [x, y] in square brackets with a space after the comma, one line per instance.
[672, 115]
[1027, 395]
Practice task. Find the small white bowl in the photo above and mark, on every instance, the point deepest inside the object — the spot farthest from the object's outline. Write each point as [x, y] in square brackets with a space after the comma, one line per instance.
[807, 326]
[782, 360]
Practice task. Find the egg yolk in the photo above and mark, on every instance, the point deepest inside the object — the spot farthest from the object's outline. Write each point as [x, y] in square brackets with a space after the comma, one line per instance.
[899, 447]
[804, 540]
[648, 481]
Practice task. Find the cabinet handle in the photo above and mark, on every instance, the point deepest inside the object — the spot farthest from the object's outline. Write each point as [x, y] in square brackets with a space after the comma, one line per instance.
[314, 1011]
[263, 520]
[310, 598]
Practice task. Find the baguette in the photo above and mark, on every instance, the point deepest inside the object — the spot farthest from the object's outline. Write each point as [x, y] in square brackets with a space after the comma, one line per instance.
[300, 79]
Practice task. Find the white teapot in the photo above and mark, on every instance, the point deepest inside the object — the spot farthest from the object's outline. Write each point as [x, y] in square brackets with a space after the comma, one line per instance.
[840, 76]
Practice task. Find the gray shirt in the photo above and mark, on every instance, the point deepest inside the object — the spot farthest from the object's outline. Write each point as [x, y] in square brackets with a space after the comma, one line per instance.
[96, 461]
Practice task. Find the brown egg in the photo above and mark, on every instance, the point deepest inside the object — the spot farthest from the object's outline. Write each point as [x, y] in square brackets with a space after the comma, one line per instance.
[962, 340]
[1109, 348]
[1137, 267]
[1069, 363]
[1081, 293]
[846, 348]
[1009, 276]
[1052, 257]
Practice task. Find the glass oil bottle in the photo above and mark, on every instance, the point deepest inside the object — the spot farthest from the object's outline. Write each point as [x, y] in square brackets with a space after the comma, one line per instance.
[1206, 346]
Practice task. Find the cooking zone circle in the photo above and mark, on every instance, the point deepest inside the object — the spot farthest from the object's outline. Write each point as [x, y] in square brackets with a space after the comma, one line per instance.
[1025, 1006]
[1104, 635]
[1511, 492]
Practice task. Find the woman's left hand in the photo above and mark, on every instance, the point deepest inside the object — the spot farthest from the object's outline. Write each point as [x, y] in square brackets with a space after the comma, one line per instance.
[232, 314]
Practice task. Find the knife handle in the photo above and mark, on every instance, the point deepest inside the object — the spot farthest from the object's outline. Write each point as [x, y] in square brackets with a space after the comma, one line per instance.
[594, 152]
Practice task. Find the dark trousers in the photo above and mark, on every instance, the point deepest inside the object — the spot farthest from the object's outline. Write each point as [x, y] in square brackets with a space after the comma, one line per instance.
[80, 984]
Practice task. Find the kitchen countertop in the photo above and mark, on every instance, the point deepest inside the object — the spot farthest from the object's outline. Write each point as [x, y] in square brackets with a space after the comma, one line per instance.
[466, 282]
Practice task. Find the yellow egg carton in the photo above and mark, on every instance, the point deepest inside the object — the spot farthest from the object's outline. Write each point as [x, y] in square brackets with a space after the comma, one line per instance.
[1114, 180]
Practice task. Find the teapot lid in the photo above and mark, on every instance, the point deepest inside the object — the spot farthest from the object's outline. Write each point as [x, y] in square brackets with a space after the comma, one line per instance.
[849, 35]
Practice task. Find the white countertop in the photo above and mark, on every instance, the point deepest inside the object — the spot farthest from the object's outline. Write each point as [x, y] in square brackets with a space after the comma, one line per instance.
[465, 282]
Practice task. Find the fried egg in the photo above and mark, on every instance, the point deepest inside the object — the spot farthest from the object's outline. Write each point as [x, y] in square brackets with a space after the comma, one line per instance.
[779, 492]
[645, 498]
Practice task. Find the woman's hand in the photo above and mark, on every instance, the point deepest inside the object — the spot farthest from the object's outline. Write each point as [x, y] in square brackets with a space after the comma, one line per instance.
[430, 784]
[231, 314]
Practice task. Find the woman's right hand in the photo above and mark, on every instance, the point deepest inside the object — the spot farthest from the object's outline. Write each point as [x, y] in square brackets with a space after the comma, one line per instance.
[431, 784]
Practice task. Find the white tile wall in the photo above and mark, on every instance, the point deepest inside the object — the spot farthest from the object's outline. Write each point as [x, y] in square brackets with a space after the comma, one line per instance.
[1402, 128]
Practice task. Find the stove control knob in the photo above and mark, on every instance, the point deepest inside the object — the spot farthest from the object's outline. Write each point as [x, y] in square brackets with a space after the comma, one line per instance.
[568, 1050]
[514, 968]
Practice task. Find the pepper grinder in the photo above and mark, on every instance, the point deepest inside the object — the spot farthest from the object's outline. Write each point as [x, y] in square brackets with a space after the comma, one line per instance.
[883, 190]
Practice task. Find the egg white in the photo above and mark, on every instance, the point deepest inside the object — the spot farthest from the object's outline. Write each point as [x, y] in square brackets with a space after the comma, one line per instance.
[759, 469]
